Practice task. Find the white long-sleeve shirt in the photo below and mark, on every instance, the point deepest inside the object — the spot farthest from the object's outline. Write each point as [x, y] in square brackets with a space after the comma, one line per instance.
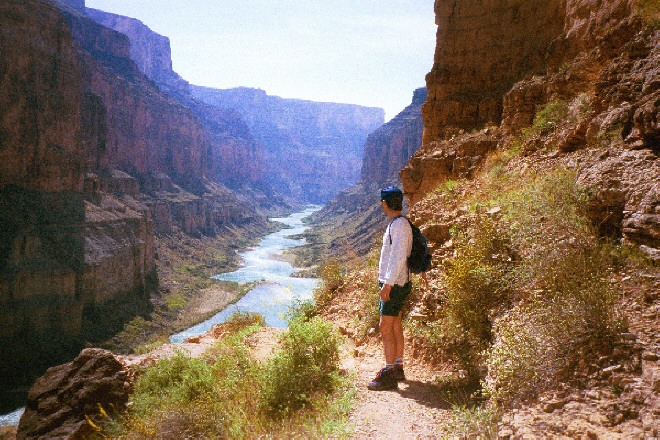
[393, 264]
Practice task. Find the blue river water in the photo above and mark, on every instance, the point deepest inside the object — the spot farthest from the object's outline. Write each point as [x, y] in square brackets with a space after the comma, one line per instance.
[271, 298]
[277, 289]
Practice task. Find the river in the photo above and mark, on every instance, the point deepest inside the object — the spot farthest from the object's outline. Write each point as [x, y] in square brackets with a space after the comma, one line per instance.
[276, 292]
[277, 289]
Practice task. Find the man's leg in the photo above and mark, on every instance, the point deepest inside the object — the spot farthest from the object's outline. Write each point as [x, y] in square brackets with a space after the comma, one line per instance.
[387, 331]
[397, 327]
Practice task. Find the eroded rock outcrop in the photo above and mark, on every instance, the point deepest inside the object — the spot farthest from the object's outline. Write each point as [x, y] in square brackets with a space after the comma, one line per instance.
[389, 148]
[61, 402]
[501, 67]
[150, 51]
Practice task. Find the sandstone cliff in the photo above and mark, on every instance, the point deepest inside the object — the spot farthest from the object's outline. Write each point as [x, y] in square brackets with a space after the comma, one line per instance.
[233, 154]
[95, 160]
[485, 90]
[389, 148]
[386, 151]
[150, 51]
[50, 286]
[312, 150]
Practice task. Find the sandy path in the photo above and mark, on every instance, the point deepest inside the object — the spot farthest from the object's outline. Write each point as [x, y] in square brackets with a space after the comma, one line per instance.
[414, 410]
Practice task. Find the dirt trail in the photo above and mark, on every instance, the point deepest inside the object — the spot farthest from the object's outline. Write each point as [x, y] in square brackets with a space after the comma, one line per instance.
[414, 410]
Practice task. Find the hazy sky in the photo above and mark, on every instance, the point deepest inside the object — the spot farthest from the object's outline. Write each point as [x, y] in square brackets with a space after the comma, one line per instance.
[368, 52]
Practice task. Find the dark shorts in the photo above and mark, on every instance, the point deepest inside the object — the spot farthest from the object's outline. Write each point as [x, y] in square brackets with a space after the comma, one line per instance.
[398, 295]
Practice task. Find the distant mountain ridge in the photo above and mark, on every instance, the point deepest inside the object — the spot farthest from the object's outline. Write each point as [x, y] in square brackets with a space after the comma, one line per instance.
[104, 149]
[313, 150]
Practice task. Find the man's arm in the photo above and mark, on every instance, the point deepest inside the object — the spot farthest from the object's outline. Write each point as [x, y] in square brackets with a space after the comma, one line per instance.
[385, 292]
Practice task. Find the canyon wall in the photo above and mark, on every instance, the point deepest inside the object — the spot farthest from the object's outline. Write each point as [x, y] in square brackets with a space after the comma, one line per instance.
[50, 285]
[312, 150]
[482, 49]
[500, 65]
[150, 50]
[234, 155]
[356, 209]
[96, 160]
[389, 148]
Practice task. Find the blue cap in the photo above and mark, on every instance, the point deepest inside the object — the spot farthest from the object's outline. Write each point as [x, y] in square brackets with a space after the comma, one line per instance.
[391, 192]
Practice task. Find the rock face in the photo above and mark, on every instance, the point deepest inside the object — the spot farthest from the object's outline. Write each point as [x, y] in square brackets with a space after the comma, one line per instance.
[42, 215]
[312, 149]
[61, 400]
[95, 160]
[389, 148]
[386, 151]
[499, 64]
[233, 154]
[482, 49]
[150, 51]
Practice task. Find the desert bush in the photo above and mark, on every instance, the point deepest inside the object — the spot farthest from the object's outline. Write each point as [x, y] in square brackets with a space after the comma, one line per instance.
[476, 289]
[567, 311]
[472, 422]
[239, 320]
[525, 294]
[547, 117]
[332, 277]
[540, 342]
[307, 365]
[368, 316]
[649, 10]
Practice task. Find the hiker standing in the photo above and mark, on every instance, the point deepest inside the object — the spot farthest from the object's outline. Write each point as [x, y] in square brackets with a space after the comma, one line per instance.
[394, 284]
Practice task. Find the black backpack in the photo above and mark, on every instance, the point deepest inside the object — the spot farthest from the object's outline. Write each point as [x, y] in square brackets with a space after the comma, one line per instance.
[419, 259]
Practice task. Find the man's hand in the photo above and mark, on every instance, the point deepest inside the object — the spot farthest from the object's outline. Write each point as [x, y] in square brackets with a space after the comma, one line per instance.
[385, 292]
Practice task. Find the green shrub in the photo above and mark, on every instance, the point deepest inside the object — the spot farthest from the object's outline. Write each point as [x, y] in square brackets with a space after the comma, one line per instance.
[175, 301]
[476, 287]
[307, 364]
[179, 379]
[332, 277]
[548, 116]
[472, 422]
[242, 320]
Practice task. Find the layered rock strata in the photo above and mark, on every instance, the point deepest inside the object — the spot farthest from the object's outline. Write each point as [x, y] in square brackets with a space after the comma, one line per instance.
[94, 160]
[312, 150]
[233, 154]
[389, 148]
[598, 64]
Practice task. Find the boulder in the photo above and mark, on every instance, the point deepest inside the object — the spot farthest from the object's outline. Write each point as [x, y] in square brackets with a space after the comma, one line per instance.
[63, 401]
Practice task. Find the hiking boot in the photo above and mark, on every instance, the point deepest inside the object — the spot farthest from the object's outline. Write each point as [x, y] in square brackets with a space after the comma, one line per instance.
[398, 373]
[384, 380]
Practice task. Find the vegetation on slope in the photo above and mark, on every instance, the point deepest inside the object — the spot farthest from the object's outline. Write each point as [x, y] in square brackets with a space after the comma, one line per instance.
[229, 394]
[187, 293]
[521, 297]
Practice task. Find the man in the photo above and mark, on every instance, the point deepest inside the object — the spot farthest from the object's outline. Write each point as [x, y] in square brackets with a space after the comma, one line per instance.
[394, 284]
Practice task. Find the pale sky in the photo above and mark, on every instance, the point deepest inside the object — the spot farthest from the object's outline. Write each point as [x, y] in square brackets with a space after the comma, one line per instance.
[368, 52]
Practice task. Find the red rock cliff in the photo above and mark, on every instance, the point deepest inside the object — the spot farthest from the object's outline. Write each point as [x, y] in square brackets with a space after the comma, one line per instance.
[233, 154]
[50, 298]
[498, 63]
[389, 148]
